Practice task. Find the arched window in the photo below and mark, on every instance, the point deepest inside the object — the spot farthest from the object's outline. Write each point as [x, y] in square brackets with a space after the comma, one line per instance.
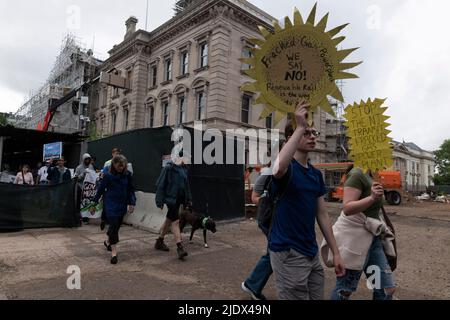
[126, 115]
[165, 97]
[181, 92]
[113, 121]
[200, 88]
[150, 111]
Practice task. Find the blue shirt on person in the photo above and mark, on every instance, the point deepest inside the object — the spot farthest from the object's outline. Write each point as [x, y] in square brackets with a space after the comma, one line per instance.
[295, 214]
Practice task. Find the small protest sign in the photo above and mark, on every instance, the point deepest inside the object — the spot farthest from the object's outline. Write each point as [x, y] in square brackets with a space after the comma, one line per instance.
[370, 146]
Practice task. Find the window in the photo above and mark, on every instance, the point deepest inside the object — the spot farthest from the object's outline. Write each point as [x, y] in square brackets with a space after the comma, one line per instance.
[181, 110]
[269, 121]
[116, 92]
[184, 62]
[203, 54]
[201, 106]
[168, 69]
[113, 122]
[130, 78]
[165, 113]
[125, 119]
[104, 96]
[245, 108]
[102, 126]
[154, 76]
[246, 53]
[151, 116]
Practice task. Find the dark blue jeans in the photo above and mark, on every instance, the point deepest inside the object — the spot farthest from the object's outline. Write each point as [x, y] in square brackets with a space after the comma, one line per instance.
[262, 271]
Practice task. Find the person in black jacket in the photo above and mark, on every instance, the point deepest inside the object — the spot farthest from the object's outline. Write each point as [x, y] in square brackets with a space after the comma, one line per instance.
[59, 174]
[172, 189]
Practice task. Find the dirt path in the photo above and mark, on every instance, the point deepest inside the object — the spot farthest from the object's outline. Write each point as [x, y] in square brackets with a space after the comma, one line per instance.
[33, 264]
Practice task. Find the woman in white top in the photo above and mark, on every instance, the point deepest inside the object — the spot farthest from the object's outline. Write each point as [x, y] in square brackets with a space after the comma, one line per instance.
[24, 176]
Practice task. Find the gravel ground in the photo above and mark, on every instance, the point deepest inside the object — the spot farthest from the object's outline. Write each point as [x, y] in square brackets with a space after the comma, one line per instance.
[33, 263]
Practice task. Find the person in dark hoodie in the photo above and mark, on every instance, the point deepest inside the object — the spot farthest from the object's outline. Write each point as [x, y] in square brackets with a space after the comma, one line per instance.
[119, 199]
[172, 189]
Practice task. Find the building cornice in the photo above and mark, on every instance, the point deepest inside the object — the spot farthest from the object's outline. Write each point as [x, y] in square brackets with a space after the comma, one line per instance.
[237, 10]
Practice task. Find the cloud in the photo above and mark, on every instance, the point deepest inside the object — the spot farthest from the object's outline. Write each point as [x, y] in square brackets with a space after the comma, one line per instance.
[402, 43]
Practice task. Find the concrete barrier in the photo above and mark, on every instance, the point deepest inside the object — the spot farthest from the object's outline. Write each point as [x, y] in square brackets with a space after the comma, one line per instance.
[146, 215]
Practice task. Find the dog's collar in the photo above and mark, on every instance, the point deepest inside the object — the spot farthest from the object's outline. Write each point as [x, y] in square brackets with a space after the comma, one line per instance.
[204, 221]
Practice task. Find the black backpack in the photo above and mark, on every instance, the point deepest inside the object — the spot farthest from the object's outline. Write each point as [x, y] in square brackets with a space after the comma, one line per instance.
[268, 201]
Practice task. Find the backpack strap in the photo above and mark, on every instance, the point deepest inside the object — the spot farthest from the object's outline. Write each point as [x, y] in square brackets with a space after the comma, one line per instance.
[281, 194]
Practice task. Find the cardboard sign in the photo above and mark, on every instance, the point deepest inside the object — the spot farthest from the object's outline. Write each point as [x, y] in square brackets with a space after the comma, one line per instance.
[370, 146]
[299, 62]
[88, 194]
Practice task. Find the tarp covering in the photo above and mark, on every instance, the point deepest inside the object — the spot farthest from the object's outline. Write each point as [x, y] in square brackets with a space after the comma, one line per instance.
[217, 190]
[29, 207]
[143, 148]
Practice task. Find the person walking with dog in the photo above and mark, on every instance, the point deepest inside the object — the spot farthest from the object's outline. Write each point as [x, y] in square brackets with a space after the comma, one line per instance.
[173, 190]
[119, 199]
[362, 228]
[293, 247]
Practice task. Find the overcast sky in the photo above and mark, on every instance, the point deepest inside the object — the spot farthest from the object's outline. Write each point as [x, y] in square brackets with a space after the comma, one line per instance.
[404, 45]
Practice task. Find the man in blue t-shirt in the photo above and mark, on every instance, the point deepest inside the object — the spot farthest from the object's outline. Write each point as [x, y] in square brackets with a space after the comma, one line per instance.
[298, 272]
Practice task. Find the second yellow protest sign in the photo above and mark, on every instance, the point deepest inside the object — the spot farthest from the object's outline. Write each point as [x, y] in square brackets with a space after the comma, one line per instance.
[370, 145]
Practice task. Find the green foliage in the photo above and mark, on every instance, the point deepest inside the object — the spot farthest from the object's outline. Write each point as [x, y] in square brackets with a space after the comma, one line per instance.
[93, 134]
[443, 164]
[3, 120]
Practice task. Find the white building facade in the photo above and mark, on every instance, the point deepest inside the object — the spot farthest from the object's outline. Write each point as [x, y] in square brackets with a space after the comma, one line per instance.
[417, 166]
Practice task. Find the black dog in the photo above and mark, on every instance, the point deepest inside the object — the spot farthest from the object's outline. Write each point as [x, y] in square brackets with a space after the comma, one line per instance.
[197, 222]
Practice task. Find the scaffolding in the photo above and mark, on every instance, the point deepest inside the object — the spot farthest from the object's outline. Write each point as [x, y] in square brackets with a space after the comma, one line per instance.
[337, 140]
[73, 66]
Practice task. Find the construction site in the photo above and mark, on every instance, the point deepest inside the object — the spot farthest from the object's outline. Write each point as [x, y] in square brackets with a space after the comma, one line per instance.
[74, 66]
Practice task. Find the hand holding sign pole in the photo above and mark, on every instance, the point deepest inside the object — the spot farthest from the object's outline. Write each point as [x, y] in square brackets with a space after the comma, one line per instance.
[299, 62]
[370, 147]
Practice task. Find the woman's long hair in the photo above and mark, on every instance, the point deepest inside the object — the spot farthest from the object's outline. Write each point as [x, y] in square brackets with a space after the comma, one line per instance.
[118, 159]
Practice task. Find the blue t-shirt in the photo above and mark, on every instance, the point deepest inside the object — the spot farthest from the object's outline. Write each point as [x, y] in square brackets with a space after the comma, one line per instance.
[295, 216]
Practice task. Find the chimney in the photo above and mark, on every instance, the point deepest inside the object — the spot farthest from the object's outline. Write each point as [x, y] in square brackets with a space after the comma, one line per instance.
[131, 26]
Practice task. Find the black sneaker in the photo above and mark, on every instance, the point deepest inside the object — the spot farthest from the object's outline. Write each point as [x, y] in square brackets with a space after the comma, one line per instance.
[108, 246]
[114, 260]
[161, 246]
[181, 253]
[256, 297]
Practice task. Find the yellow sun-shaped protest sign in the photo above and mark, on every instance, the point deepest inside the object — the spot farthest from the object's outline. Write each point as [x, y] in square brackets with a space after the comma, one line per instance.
[370, 145]
[298, 62]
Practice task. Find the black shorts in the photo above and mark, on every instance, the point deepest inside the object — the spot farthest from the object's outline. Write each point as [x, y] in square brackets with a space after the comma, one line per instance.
[173, 214]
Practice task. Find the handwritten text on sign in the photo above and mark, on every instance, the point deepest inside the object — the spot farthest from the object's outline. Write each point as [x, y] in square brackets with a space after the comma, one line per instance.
[367, 128]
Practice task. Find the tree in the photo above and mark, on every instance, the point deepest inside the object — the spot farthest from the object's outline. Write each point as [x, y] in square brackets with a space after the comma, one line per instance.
[3, 120]
[443, 164]
[93, 135]
[182, 5]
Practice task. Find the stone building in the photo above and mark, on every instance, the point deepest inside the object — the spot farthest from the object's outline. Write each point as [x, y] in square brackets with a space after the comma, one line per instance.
[188, 70]
[417, 166]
